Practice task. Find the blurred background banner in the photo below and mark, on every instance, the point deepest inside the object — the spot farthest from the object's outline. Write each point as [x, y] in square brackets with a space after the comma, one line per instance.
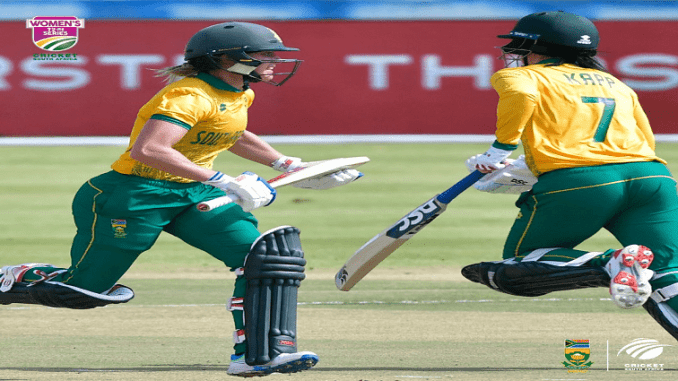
[369, 67]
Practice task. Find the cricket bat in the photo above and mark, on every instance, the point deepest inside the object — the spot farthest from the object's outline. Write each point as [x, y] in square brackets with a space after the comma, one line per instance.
[383, 244]
[310, 170]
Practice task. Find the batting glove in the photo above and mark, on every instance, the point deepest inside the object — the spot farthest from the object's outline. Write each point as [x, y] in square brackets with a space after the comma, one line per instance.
[252, 191]
[286, 163]
[489, 161]
[516, 177]
[339, 178]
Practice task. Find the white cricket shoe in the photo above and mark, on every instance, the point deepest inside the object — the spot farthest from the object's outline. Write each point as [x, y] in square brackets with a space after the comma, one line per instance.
[283, 363]
[630, 277]
[238, 367]
[12, 274]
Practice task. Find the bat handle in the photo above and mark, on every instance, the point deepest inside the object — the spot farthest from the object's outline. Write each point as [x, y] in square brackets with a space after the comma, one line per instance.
[206, 206]
[460, 187]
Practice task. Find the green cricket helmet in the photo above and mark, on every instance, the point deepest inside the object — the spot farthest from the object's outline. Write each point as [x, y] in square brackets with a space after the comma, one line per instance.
[235, 40]
[553, 34]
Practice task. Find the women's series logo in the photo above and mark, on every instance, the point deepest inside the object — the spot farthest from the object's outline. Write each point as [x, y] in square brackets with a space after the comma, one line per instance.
[55, 34]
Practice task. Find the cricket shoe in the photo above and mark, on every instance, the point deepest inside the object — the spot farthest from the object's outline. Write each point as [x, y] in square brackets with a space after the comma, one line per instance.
[630, 277]
[283, 363]
[12, 274]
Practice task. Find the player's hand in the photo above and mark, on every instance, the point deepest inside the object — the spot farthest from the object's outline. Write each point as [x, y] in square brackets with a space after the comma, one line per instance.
[253, 191]
[489, 161]
[339, 178]
[516, 177]
[332, 180]
[286, 163]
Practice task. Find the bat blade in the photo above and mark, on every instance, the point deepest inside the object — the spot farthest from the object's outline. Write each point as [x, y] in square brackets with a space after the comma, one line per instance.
[310, 170]
[366, 259]
[316, 169]
[368, 256]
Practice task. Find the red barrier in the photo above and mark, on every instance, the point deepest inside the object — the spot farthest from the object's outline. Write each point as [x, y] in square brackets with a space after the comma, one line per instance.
[419, 77]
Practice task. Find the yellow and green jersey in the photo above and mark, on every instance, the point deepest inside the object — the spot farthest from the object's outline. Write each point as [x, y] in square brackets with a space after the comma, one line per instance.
[567, 116]
[213, 112]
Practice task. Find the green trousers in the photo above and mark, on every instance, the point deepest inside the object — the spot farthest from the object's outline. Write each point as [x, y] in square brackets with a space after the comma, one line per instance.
[636, 202]
[118, 217]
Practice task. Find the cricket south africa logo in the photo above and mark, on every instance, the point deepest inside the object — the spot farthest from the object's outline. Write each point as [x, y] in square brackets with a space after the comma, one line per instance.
[643, 350]
[577, 353]
[55, 34]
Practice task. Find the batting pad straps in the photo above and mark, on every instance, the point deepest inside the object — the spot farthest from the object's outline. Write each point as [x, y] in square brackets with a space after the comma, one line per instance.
[239, 336]
[534, 278]
[666, 316]
[665, 293]
[57, 294]
[274, 269]
[538, 254]
[235, 304]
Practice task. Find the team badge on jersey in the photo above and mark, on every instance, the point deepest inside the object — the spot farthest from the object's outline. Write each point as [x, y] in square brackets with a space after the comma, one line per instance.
[55, 34]
[119, 227]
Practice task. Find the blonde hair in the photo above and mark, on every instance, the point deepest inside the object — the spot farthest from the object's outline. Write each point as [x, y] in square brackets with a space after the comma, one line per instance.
[175, 73]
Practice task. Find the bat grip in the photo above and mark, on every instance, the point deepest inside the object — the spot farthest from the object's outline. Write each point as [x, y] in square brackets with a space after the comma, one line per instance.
[206, 206]
[459, 187]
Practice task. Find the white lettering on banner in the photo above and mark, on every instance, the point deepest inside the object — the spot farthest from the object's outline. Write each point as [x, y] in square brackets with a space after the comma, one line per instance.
[179, 60]
[432, 71]
[131, 66]
[644, 72]
[378, 67]
[5, 68]
[649, 66]
[73, 77]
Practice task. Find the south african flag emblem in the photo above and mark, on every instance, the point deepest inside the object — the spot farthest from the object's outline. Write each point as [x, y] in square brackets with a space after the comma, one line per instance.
[577, 354]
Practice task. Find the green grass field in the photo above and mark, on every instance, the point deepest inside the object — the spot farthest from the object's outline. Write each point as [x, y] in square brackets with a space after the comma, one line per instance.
[413, 318]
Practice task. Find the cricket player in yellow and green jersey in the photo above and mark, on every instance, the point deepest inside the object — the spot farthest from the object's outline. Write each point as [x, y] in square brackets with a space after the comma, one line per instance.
[166, 170]
[589, 164]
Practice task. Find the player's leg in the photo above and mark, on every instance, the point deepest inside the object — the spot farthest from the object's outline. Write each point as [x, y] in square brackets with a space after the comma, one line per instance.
[108, 240]
[274, 269]
[663, 304]
[49, 285]
[651, 218]
[228, 234]
[554, 219]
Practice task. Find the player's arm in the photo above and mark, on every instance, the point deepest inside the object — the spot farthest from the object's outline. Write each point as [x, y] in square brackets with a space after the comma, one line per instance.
[643, 123]
[517, 100]
[252, 147]
[155, 147]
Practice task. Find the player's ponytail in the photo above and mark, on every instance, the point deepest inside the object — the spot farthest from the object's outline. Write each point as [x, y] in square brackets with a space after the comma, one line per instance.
[191, 68]
[584, 61]
[579, 57]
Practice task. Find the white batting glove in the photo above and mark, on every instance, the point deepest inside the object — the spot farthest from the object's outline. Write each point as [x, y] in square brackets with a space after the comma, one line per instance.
[489, 161]
[253, 192]
[339, 178]
[286, 163]
[332, 180]
[515, 177]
